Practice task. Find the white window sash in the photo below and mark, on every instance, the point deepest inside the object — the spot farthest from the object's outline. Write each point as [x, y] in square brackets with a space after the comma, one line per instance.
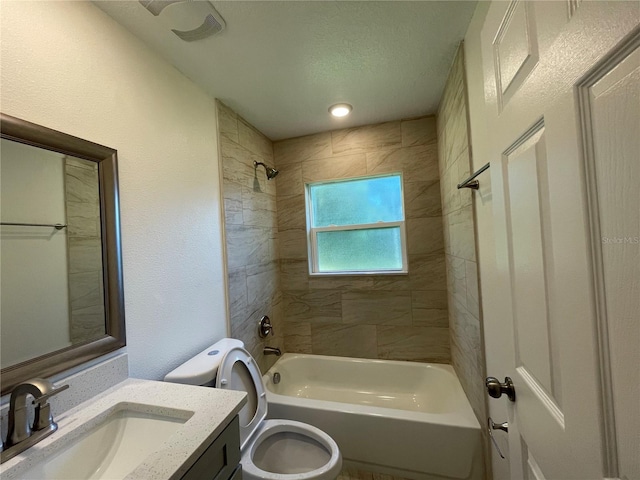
[313, 248]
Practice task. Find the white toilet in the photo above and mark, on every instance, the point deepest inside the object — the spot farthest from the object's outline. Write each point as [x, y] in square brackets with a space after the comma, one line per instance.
[271, 449]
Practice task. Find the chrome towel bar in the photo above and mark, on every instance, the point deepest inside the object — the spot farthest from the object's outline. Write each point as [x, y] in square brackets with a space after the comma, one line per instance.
[470, 182]
[57, 226]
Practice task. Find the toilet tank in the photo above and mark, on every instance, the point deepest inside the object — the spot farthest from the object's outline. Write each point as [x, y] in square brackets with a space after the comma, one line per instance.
[202, 369]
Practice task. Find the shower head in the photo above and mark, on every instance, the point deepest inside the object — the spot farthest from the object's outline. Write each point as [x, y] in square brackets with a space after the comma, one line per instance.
[271, 172]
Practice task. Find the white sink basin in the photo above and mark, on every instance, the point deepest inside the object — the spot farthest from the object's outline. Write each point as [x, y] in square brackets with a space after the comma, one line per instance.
[110, 450]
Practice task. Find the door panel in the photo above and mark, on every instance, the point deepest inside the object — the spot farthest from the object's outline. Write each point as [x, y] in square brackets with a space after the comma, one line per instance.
[515, 49]
[529, 238]
[535, 55]
[612, 97]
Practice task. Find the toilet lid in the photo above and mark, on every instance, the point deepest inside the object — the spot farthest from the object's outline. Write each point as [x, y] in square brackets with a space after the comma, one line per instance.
[239, 371]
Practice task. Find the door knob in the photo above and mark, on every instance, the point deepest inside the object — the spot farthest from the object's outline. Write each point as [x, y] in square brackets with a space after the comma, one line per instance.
[496, 389]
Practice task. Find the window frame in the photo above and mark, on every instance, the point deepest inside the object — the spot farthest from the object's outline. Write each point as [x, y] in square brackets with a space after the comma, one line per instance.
[312, 238]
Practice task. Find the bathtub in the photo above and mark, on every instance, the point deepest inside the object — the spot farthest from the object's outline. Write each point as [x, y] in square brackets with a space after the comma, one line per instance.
[406, 419]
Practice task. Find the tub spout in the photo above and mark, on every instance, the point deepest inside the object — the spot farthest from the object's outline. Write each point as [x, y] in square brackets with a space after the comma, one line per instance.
[272, 351]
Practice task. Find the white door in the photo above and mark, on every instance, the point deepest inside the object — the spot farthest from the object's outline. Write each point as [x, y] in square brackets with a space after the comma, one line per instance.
[562, 93]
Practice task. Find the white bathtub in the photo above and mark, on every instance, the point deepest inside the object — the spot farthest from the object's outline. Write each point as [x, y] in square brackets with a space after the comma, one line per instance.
[401, 418]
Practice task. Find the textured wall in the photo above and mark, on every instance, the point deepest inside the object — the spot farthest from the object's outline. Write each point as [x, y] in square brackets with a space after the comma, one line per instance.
[110, 88]
[251, 234]
[467, 348]
[401, 317]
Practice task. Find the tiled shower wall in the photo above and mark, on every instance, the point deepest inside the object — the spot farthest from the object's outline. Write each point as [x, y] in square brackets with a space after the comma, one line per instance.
[84, 247]
[402, 317]
[251, 234]
[465, 323]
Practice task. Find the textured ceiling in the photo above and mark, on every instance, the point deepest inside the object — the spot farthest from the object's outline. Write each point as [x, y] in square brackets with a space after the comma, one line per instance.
[282, 64]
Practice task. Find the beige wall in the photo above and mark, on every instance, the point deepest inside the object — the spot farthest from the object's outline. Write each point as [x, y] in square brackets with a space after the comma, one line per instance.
[70, 67]
[251, 234]
[402, 317]
[465, 321]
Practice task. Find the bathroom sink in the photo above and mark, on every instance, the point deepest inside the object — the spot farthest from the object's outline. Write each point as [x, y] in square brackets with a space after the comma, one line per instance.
[110, 450]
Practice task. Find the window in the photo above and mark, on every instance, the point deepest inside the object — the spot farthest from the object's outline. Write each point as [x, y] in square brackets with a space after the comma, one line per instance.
[356, 226]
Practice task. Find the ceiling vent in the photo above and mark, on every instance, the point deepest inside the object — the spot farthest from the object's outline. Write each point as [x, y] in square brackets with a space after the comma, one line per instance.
[189, 20]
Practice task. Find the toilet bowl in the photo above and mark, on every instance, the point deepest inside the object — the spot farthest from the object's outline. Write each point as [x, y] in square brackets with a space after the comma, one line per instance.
[270, 449]
[291, 448]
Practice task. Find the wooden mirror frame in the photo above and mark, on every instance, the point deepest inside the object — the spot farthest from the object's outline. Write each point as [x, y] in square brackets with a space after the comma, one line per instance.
[49, 364]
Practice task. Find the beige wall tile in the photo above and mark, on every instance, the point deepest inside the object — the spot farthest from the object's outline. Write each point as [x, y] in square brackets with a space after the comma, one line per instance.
[462, 234]
[472, 288]
[392, 282]
[316, 306]
[434, 299]
[237, 284]
[420, 131]
[262, 282]
[81, 184]
[424, 235]
[334, 168]
[293, 243]
[81, 219]
[369, 137]
[232, 193]
[427, 272]
[417, 164]
[430, 317]
[449, 192]
[291, 212]
[254, 141]
[344, 340]
[422, 199]
[341, 282]
[463, 164]
[465, 328]
[294, 274]
[298, 344]
[377, 308]
[422, 344]
[258, 209]
[237, 163]
[227, 122]
[298, 328]
[246, 245]
[85, 254]
[456, 279]
[289, 180]
[302, 149]
[85, 293]
[456, 139]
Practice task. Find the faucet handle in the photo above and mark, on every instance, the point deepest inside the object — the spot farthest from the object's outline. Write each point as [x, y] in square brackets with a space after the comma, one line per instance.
[43, 418]
[43, 399]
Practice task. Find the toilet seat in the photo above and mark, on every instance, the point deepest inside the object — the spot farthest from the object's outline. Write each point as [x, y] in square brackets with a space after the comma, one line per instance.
[329, 461]
[238, 371]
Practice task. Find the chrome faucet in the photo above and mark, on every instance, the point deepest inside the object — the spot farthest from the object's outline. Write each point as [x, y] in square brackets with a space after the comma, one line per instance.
[21, 435]
[272, 351]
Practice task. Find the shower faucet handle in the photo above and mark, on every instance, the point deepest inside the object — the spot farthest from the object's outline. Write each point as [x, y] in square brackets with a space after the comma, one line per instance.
[264, 327]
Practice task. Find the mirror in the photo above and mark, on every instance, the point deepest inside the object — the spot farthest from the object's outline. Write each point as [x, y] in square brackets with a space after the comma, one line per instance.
[62, 297]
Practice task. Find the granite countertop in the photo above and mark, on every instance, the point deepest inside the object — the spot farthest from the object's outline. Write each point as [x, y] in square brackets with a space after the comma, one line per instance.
[208, 410]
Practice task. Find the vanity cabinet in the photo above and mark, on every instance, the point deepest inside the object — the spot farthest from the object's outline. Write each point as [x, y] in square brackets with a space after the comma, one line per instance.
[221, 460]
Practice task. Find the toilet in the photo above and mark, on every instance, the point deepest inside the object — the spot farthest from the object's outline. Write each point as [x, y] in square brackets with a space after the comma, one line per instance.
[270, 449]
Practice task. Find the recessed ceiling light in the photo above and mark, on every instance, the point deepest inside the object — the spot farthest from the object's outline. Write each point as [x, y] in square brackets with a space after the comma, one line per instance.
[340, 109]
